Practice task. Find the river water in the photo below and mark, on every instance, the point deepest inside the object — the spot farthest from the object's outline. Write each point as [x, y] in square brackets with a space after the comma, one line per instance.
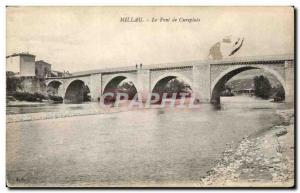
[151, 146]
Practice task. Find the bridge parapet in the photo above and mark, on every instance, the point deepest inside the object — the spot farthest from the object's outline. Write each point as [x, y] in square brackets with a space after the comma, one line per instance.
[265, 58]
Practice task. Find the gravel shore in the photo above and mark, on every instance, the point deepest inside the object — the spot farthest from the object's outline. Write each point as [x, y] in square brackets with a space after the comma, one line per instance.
[55, 115]
[262, 160]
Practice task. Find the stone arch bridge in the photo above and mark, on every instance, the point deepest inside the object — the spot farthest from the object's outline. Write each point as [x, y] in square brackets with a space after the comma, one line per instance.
[207, 78]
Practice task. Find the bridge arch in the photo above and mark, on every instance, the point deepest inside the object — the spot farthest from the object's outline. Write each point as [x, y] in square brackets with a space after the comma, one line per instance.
[218, 83]
[76, 91]
[159, 86]
[114, 81]
[169, 76]
[54, 87]
[53, 81]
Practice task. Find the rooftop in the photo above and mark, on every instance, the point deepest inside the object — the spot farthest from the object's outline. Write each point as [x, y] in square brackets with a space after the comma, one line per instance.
[42, 61]
[20, 54]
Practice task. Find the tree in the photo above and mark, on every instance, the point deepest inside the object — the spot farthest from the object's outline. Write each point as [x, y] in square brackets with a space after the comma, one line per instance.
[86, 92]
[278, 93]
[13, 84]
[129, 88]
[262, 87]
[227, 91]
[177, 86]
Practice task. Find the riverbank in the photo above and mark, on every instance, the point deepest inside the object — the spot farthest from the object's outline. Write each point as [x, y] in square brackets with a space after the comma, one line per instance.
[265, 159]
[26, 111]
[10, 118]
[70, 111]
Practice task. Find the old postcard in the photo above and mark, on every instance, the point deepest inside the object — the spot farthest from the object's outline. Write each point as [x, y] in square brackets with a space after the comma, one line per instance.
[150, 96]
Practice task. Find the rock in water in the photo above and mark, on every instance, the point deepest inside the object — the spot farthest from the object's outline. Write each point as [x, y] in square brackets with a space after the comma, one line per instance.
[281, 132]
[227, 47]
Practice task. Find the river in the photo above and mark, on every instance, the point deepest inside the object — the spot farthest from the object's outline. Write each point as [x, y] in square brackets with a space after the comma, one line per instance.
[151, 146]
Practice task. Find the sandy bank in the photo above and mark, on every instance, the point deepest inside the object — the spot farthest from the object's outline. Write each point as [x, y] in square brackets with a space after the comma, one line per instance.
[262, 160]
[10, 118]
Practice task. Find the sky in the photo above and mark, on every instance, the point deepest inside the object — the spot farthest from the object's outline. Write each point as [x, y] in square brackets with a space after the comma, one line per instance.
[87, 38]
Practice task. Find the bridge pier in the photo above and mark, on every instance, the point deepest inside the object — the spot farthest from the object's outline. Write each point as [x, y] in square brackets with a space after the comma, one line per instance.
[143, 84]
[289, 81]
[95, 86]
[201, 82]
[60, 91]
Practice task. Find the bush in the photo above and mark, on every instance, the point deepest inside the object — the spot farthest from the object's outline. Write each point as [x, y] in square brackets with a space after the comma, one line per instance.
[279, 94]
[12, 85]
[25, 96]
[262, 87]
[31, 97]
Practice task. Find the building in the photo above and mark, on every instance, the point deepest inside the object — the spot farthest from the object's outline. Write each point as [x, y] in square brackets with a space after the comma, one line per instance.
[24, 74]
[247, 91]
[22, 64]
[55, 73]
[42, 69]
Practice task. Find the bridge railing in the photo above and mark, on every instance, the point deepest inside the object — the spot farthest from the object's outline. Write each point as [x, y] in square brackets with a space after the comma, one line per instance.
[224, 60]
[255, 58]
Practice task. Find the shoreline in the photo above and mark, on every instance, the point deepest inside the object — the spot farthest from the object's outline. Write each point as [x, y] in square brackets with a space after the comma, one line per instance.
[12, 118]
[20, 117]
[263, 159]
[34, 116]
